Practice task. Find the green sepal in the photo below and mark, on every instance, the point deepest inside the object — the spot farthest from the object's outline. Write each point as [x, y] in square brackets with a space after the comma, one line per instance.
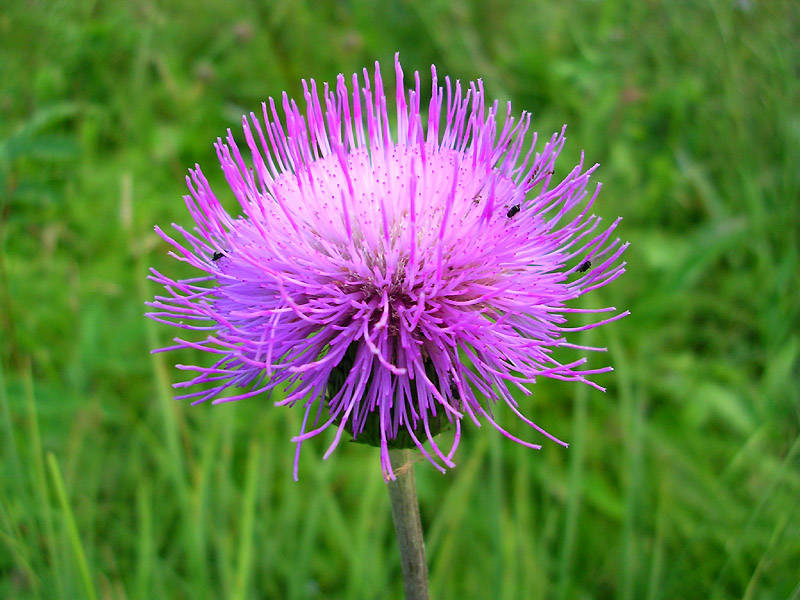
[371, 434]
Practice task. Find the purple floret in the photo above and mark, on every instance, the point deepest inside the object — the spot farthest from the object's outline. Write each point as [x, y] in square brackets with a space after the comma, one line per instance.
[393, 278]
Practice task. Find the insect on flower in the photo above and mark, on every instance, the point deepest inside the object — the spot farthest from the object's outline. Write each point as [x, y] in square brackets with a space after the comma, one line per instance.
[339, 283]
[585, 266]
[217, 256]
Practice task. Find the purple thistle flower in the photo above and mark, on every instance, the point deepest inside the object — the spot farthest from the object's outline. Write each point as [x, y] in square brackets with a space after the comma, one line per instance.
[394, 280]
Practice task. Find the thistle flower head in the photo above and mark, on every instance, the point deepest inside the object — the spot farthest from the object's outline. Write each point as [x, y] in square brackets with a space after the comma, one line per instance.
[394, 276]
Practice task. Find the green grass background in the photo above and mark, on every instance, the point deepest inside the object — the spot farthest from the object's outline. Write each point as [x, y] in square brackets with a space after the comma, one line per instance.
[682, 481]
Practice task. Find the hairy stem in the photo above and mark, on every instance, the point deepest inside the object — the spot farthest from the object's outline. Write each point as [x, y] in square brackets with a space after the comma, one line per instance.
[405, 514]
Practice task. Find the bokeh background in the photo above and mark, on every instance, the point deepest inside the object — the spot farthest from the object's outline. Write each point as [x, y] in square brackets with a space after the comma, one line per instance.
[681, 481]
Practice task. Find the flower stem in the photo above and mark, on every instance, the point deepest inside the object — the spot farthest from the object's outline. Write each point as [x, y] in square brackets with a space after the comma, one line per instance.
[405, 514]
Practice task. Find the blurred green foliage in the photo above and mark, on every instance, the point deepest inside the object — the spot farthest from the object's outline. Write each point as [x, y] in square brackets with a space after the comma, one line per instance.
[682, 481]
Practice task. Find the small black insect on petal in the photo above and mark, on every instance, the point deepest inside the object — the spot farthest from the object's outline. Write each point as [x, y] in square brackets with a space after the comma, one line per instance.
[217, 256]
[513, 210]
[584, 266]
